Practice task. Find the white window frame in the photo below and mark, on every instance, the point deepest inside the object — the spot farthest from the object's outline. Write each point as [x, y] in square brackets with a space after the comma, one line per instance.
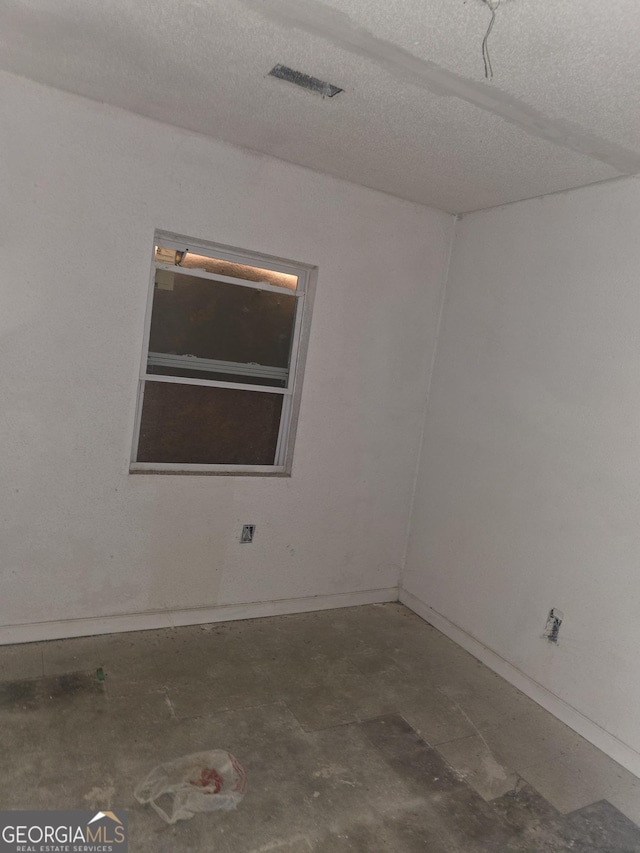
[304, 292]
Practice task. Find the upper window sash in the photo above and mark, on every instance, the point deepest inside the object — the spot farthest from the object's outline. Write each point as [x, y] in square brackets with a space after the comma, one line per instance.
[190, 361]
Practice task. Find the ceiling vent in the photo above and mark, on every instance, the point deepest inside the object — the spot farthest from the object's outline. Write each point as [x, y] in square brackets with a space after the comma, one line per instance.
[304, 80]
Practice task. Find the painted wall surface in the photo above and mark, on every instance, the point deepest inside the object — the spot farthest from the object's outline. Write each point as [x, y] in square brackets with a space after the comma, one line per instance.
[528, 492]
[83, 188]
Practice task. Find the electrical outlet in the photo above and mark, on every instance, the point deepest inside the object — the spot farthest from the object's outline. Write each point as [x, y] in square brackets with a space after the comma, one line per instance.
[247, 533]
[554, 621]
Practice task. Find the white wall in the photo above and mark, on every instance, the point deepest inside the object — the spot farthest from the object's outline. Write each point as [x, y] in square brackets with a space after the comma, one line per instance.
[528, 492]
[83, 188]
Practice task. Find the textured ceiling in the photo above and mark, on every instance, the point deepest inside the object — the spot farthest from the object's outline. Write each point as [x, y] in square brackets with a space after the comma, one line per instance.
[416, 119]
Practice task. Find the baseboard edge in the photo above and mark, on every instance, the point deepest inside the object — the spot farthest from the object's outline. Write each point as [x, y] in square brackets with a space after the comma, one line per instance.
[148, 620]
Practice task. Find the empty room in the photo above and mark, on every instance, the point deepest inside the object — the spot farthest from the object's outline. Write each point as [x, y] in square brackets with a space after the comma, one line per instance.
[320, 426]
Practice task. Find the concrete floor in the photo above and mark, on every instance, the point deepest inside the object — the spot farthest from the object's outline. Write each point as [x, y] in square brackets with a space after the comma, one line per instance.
[361, 729]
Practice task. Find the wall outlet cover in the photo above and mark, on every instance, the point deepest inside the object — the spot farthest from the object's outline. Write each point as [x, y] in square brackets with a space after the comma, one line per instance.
[247, 533]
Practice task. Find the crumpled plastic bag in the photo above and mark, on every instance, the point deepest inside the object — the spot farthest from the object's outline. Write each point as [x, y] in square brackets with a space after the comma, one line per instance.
[201, 782]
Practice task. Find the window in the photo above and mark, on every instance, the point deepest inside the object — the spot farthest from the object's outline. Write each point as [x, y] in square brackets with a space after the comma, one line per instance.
[221, 374]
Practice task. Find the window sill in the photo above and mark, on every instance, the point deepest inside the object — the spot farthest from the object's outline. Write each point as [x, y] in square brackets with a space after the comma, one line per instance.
[209, 470]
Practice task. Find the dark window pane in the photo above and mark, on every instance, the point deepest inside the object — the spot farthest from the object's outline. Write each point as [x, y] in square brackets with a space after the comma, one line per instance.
[196, 424]
[233, 333]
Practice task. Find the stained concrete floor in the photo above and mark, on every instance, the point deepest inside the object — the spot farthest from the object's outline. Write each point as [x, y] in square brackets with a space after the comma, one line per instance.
[360, 729]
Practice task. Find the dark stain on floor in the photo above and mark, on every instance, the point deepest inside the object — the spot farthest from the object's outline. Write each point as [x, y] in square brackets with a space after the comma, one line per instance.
[30, 695]
[20, 694]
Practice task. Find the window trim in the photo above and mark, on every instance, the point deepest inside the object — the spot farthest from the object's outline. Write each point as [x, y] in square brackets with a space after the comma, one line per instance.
[291, 394]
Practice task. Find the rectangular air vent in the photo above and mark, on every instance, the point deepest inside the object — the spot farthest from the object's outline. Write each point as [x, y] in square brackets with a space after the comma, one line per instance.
[304, 80]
